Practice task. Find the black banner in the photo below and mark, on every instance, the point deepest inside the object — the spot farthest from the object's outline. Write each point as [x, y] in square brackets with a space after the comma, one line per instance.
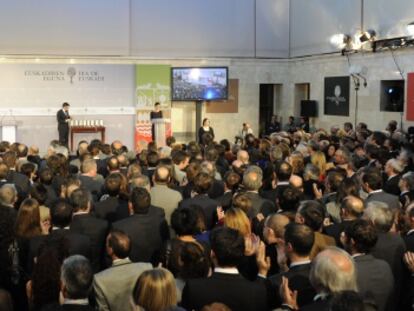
[337, 96]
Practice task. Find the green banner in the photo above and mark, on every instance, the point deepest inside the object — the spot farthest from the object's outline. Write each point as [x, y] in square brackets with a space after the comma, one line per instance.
[153, 85]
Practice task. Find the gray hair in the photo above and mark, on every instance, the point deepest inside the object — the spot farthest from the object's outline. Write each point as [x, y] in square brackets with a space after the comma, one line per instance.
[77, 277]
[396, 165]
[409, 179]
[88, 165]
[209, 168]
[380, 215]
[333, 270]
[8, 194]
[63, 151]
[252, 180]
[141, 181]
[276, 153]
[311, 172]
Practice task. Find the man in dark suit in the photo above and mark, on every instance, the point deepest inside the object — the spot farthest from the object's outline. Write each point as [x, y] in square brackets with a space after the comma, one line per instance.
[409, 236]
[298, 244]
[146, 227]
[76, 284]
[359, 238]
[393, 170]
[61, 217]
[63, 119]
[202, 184]
[225, 285]
[390, 246]
[231, 183]
[88, 178]
[252, 181]
[406, 185]
[21, 181]
[372, 184]
[112, 206]
[84, 223]
[283, 172]
[352, 208]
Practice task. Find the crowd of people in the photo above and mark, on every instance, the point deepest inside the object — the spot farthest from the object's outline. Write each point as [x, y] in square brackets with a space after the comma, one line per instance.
[290, 221]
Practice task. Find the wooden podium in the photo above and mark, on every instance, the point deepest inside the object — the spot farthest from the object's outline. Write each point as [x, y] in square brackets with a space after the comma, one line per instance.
[160, 130]
[86, 129]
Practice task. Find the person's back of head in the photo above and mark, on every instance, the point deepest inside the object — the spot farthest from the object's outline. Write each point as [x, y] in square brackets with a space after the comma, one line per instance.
[333, 270]
[202, 183]
[243, 202]
[195, 263]
[155, 290]
[228, 246]
[4, 171]
[8, 194]
[81, 200]
[133, 169]
[237, 219]
[162, 175]
[378, 137]
[311, 172]
[216, 307]
[89, 166]
[140, 181]
[312, 213]
[334, 180]
[179, 156]
[113, 184]
[76, 277]
[360, 236]
[380, 215]
[211, 154]
[290, 198]
[9, 158]
[118, 244]
[232, 180]
[372, 179]
[184, 221]
[352, 207]
[140, 200]
[61, 213]
[283, 171]
[300, 238]
[113, 163]
[208, 168]
[252, 181]
[152, 159]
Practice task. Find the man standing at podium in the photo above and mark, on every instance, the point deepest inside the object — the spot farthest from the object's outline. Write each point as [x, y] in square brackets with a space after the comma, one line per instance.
[156, 114]
[63, 119]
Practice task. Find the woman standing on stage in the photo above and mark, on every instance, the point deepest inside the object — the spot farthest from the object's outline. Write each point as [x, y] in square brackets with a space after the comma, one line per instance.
[206, 128]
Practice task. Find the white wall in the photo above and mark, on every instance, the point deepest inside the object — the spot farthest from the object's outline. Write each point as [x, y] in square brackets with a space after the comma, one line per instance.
[77, 27]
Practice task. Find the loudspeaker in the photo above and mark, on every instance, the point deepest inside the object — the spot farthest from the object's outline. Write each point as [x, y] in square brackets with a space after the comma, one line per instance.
[308, 108]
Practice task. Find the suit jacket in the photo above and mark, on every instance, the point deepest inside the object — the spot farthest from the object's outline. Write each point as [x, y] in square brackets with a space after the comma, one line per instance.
[166, 198]
[409, 241]
[233, 290]
[322, 241]
[391, 248]
[260, 205]
[96, 229]
[111, 209]
[74, 307]
[61, 117]
[94, 186]
[225, 201]
[216, 190]
[274, 194]
[208, 205]
[391, 185]
[113, 286]
[319, 305]
[385, 197]
[371, 283]
[406, 198]
[21, 181]
[79, 244]
[147, 233]
[336, 229]
[298, 277]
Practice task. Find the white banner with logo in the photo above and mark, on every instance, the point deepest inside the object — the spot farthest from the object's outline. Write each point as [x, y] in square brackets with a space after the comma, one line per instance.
[40, 89]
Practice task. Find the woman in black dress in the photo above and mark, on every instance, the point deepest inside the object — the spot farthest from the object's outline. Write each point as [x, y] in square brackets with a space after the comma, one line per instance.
[156, 114]
[206, 128]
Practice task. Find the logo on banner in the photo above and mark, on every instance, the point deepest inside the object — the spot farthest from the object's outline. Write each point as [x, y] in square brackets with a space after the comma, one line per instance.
[71, 75]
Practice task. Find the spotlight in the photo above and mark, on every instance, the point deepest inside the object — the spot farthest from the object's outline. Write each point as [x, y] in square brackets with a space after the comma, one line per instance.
[367, 35]
[410, 28]
[340, 41]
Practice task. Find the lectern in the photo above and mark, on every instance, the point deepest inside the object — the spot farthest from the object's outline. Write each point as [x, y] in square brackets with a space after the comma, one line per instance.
[160, 129]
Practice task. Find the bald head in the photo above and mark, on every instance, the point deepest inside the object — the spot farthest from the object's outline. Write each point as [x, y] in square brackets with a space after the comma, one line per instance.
[162, 175]
[333, 271]
[243, 156]
[252, 181]
[296, 182]
[277, 223]
[352, 207]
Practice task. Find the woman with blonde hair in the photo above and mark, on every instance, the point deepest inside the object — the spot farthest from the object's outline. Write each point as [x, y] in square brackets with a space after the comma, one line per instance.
[297, 162]
[155, 290]
[318, 159]
[237, 219]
